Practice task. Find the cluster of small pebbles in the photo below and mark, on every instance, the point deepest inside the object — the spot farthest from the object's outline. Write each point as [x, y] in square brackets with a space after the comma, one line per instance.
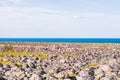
[87, 62]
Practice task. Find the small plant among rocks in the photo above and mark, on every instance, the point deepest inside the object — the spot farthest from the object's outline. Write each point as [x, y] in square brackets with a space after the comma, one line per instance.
[8, 48]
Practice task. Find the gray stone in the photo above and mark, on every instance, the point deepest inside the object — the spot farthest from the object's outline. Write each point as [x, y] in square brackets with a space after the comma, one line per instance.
[1, 78]
[1, 65]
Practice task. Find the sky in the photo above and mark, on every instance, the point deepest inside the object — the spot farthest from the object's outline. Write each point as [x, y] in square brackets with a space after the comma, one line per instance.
[59, 18]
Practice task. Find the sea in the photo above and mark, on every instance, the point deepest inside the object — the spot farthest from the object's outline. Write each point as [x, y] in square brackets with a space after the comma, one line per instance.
[62, 40]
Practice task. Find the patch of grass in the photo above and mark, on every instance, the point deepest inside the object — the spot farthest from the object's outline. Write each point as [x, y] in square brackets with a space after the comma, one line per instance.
[92, 65]
[35, 54]
[2, 54]
[43, 56]
[13, 59]
[16, 54]
[5, 62]
[72, 75]
[8, 48]
[20, 64]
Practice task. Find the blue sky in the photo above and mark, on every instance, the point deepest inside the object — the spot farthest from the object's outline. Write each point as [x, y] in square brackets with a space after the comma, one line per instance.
[60, 18]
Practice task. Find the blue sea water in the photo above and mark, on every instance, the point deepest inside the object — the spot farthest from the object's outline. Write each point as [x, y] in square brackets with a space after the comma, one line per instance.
[63, 40]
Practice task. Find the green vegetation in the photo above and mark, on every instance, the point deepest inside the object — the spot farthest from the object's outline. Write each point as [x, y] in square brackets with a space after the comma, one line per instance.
[8, 48]
[92, 65]
[43, 56]
[72, 75]
[20, 64]
[15, 54]
[5, 62]
[2, 54]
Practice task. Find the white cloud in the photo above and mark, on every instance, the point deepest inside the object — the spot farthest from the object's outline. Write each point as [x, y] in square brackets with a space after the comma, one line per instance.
[11, 2]
[41, 22]
[28, 11]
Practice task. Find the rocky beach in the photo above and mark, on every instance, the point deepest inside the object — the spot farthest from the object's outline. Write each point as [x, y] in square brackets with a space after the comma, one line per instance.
[59, 61]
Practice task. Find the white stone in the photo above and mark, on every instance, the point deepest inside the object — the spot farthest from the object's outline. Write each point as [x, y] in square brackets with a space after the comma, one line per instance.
[34, 77]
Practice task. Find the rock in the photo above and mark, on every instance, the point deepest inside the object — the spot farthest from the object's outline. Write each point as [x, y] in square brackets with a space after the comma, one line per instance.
[31, 65]
[42, 72]
[11, 78]
[82, 75]
[7, 66]
[58, 75]
[58, 70]
[118, 74]
[109, 78]
[24, 59]
[1, 69]
[1, 65]
[115, 66]
[50, 78]
[25, 78]
[99, 73]
[73, 78]
[20, 74]
[50, 71]
[14, 68]
[25, 66]
[67, 79]
[62, 60]
[28, 74]
[35, 77]
[106, 68]
[91, 72]
[8, 73]
[1, 78]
